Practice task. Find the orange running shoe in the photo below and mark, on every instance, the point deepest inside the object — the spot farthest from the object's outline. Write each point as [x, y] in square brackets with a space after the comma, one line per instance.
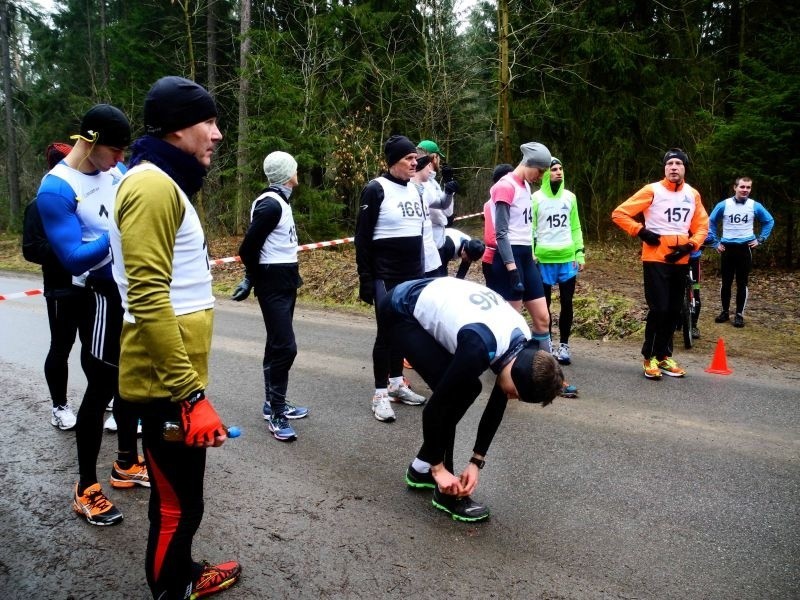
[669, 367]
[95, 507]
[651, 369]
[406, 364]
[127, 478]
[215, 578]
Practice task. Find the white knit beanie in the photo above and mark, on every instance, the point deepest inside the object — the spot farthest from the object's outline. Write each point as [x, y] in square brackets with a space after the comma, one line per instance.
[279, 167]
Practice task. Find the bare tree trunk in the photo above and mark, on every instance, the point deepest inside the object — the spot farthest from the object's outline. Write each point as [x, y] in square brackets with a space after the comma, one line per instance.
[104, 66]
[11, 138]
[244, 89]
[211, 45]
[503, 112]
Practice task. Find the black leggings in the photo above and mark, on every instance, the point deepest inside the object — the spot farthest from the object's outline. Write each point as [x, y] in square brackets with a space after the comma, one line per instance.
[735, 262]
[176, 505]
[280, 350]
[663, 289]
[63, 313]
[101, 325]
[387, 358]
[566, 292]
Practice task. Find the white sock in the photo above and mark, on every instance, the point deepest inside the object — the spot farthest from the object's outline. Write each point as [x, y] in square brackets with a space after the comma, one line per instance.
[420, 466]
[396, 381]
[381, 392]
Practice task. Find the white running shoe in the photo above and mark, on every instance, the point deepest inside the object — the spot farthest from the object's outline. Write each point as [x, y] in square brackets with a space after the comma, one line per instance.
[562, 355]
[402, 393]
[110, 424]
[63, 417]
[382, 409]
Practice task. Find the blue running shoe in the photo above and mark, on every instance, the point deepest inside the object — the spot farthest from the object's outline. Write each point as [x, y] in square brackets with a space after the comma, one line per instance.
[292, 411]
[280, 428]
[569, 391]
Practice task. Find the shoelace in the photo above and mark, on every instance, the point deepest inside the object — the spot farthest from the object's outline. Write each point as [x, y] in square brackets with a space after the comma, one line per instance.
[98, 500]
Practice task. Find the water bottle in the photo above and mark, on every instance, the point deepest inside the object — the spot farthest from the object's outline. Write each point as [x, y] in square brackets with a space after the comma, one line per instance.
[172, 431]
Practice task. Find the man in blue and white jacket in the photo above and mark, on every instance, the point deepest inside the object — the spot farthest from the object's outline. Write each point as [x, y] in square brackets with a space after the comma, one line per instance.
[738, 214]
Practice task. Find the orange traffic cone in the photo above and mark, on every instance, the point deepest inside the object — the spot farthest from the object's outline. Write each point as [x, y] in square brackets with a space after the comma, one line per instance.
[719, 364]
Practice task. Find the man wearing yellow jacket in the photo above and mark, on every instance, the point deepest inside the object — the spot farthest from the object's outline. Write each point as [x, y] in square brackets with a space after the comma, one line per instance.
[675, 224]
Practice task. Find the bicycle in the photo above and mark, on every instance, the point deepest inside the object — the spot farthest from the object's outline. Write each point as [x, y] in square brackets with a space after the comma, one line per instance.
[688, 309]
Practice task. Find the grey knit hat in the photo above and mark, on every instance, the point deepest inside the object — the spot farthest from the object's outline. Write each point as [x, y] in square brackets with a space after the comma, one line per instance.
[279, 167]
[536, 155]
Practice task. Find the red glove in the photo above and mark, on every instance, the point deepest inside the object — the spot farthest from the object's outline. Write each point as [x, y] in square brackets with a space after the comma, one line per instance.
[201, 423]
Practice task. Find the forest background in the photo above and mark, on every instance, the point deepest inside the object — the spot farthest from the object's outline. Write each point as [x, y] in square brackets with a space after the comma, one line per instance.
[608, 87]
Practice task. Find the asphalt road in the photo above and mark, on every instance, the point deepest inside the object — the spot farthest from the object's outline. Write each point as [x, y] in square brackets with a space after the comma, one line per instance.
[673, 489]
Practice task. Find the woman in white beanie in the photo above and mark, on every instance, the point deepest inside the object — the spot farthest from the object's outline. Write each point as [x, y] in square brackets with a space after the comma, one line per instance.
[269, 254]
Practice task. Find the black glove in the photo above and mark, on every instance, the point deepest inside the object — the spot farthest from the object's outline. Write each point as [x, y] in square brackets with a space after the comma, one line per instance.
[447, 173]
[366, 291]
[678, 252]
[451, 187]
[242, 291]
[650, 238]
[516, 282]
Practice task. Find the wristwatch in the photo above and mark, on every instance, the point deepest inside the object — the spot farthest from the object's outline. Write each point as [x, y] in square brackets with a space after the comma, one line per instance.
[478, 462]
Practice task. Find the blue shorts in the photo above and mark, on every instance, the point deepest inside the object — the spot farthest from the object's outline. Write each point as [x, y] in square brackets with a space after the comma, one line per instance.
[529, 274]
[553, 273]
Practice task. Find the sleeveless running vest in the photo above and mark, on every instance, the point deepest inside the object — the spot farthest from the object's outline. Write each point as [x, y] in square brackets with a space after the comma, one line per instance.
[190, 288]
[280, 247]
[670, 213]
[737, 221]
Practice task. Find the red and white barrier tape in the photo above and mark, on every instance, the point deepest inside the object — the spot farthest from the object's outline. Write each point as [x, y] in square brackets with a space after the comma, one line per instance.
[21, 294]
[231, 259]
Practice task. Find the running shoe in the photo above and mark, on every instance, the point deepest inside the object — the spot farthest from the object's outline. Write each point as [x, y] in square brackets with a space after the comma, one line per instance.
[562, 355]
[111, 425]
[280, 428]
[651, 368]
[722, 317]
[215, 578]
[407, 365]
[127, 478]
[382, 409]
[568, 391]
[460, 509]
[695, 333]
[402, 393]
[669, 367]
[419, 481]
[63, 417]
[738, 320]
[292, 411]
[95, 507]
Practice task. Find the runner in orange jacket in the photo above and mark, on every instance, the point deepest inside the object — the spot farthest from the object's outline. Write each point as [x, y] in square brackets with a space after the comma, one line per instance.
[675, 224]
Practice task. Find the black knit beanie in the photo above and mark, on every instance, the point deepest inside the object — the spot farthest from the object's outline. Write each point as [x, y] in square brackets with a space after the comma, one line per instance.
[174, 103]
[397, 147]
[106, 125]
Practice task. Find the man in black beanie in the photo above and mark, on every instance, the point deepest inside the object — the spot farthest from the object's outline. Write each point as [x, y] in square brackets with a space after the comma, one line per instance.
[389, 250]
[162, 270]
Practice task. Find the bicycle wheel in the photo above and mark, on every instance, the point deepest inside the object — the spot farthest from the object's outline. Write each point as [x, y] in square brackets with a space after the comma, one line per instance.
[686, 319]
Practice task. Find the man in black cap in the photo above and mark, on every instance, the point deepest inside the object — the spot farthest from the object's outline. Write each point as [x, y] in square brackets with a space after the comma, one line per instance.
[161, 267]
[453, 330]
[675, 225]
[389, 250]
[74, 201]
